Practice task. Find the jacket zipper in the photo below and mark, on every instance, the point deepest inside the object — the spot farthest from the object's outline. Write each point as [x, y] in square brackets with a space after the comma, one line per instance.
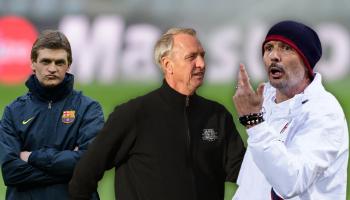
[190, 157]
[187, 125]
[49, 106]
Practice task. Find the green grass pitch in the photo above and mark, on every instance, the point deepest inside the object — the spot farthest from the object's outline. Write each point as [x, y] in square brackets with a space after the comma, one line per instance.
[112, 95]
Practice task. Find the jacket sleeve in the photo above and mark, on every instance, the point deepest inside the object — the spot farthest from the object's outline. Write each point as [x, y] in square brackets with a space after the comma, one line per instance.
[109, 149]
[62, 162]
[291, 169]
[234, 152]
[15, 171]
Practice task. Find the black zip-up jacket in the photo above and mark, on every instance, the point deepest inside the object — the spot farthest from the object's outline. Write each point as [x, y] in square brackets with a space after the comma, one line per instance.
[164, 145]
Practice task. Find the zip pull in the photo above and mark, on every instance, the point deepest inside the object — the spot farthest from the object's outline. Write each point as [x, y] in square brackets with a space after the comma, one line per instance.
[187, 101]
[49, 106]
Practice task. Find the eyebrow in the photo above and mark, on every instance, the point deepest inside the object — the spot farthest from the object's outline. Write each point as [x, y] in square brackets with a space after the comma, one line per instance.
[201, 53]
[267, 45]
[52, 60]
[190, 55]
[60, 60]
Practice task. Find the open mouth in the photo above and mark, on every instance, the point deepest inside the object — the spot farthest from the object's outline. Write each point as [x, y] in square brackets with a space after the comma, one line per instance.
[276, 71]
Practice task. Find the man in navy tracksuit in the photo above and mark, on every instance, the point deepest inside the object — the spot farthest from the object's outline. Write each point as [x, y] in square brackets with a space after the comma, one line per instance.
[170, 144]
[44, 132]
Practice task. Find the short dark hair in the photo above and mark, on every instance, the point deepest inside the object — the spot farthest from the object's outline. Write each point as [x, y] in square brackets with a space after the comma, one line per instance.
[51, 39]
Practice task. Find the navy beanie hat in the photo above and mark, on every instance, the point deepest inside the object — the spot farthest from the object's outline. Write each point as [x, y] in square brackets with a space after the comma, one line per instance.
[301, 38]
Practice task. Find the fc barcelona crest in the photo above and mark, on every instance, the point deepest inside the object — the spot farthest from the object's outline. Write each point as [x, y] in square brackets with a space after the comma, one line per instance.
[68, 116]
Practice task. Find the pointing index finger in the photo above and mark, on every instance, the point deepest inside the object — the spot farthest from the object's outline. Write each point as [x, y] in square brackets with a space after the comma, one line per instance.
[243, 78]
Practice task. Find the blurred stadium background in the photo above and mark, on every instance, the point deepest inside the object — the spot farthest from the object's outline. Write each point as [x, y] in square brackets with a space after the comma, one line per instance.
[113, 40]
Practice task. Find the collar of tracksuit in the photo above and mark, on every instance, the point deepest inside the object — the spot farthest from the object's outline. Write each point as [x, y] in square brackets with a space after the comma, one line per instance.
[176, 99]
[50, 94]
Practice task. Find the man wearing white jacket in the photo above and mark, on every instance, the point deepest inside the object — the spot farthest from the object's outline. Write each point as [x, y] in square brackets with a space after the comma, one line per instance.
[297, 131]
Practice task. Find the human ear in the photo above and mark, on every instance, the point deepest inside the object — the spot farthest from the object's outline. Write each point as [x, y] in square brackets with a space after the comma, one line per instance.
[167, 65]
[32, 66]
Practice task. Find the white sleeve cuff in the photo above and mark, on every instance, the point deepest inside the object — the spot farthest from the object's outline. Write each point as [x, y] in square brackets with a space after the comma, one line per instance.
[261, 133]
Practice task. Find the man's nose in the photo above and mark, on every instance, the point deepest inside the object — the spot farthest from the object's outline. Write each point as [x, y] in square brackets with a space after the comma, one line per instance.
[275, 55]
[52, 67]
[200, 62]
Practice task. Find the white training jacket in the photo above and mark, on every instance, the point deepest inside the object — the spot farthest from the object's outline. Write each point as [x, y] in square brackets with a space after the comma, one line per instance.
[301, 150]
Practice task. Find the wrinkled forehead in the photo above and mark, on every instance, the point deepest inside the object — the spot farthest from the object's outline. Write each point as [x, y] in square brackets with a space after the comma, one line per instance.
[186, 42]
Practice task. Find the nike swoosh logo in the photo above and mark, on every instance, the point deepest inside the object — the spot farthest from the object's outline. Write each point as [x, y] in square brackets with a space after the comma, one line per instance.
[24, 122]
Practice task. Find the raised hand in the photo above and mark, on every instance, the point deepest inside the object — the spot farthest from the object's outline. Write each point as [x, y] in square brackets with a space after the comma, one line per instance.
[245, 99]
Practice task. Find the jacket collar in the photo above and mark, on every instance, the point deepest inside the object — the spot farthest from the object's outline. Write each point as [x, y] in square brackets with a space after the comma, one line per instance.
[315, 86]
[50, 94]
[176, 99]
[310, 92]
